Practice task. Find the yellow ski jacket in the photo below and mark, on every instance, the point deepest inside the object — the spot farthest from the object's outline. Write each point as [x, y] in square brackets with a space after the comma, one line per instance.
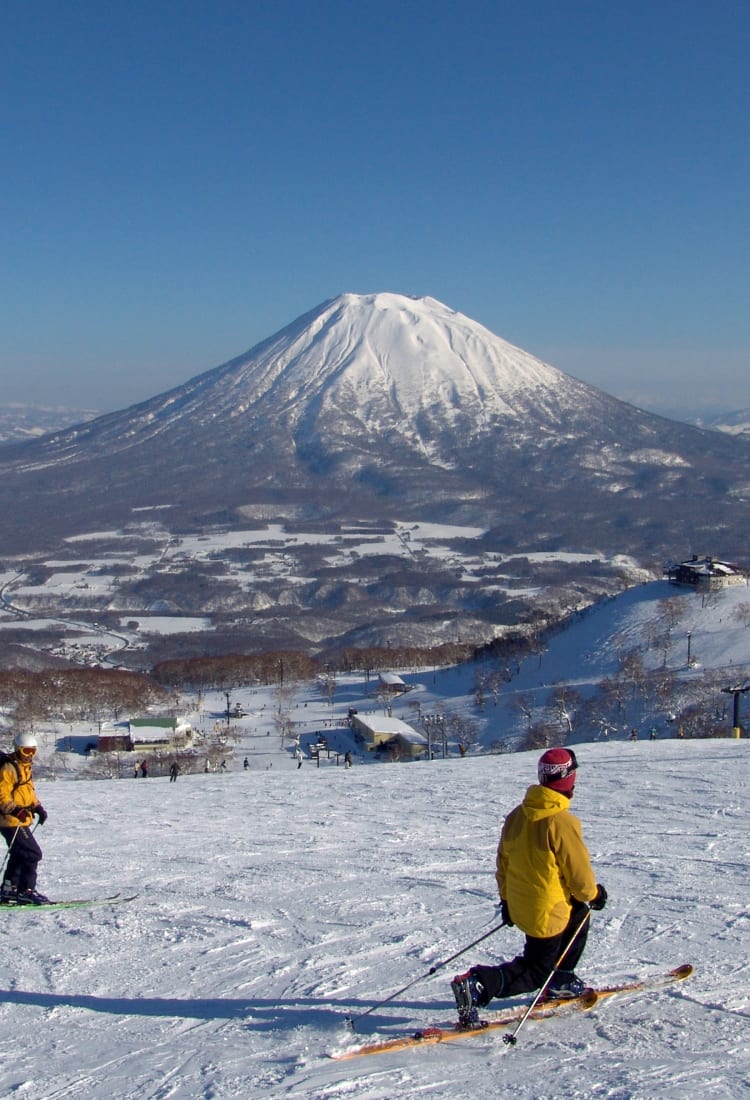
[16, 790]
[543, 863]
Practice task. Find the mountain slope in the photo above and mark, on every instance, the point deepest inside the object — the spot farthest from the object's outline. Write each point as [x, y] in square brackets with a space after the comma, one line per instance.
[736, 422]
[233, 973]
[342, 380]
[374, 392]
[385, 410]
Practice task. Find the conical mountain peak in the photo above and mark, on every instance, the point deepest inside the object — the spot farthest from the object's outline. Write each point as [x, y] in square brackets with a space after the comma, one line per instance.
[390, 406]
[386, 353]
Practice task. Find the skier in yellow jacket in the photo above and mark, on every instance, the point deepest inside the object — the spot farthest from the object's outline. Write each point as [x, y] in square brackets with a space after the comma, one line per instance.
[18, 806]
[546, 888]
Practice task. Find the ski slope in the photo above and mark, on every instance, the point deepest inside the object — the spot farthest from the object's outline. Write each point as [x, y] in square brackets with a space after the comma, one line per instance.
[276, 901]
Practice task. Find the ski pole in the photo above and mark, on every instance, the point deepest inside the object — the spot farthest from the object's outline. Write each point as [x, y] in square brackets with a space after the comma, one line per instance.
[351, 1020]
[511, 1039]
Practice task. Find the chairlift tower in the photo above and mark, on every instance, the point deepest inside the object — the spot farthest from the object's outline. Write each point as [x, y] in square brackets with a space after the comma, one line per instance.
[736, 692]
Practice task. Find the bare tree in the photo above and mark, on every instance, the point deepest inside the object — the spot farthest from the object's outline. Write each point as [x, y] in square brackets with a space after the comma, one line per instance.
[495, 682]
[565, 702]
[742, 613]
[464, 731]
[525, 703]
[284, 725]
[673, 610]
[541, 735]
[480, 687]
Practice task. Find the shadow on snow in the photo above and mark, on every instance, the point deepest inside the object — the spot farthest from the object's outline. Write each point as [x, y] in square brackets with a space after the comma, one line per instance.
[259, 1015]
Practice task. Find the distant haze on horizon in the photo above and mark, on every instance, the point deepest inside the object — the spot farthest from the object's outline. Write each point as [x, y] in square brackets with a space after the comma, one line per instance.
[182, 181]
[620, 374]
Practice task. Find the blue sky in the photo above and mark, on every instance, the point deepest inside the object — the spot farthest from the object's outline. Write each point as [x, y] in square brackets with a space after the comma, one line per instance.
[182, 179]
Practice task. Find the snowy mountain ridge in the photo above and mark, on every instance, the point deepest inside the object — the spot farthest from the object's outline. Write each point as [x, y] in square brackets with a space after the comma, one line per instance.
[376, 363]
[424, 356]
[22, 422]
[736, 422]
[383, 410]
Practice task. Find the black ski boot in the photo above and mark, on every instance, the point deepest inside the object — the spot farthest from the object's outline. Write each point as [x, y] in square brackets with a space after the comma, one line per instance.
[31, 897]
[468, 993]
[563, 985]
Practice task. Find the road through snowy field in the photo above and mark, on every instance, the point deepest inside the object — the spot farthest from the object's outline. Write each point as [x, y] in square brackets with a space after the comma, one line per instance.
[273, 903]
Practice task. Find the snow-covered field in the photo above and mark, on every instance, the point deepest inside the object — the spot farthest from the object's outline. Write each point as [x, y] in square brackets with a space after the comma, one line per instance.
[658, 622]
[89, 583]
[274, 902]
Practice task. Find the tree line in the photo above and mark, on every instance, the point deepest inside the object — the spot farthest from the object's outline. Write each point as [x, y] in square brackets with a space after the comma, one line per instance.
[233, 670]
[76, 694]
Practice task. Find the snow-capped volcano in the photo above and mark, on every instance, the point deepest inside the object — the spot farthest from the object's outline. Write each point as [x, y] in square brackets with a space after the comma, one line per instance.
[395, 362]
[354, 370]
[380, 405]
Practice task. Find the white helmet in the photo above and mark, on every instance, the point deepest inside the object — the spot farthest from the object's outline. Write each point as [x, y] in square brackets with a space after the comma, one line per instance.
[25, 741]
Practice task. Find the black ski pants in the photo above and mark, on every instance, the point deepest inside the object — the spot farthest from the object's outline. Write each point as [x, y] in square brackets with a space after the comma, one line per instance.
[531, 969]
[24, 856]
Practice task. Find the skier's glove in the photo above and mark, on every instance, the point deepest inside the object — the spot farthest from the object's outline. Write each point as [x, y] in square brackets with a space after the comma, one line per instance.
[505, 913]
[22, 814]
[601, 898]
[42, 814]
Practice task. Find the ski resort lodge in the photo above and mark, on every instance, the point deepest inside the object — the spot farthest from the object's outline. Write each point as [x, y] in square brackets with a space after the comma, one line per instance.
[392, 684]
[706, 574]
[378, 732]
[142, 735]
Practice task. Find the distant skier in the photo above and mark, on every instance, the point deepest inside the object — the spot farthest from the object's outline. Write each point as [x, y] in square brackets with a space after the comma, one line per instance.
[546, 888]
[18, 805]
[174, 771]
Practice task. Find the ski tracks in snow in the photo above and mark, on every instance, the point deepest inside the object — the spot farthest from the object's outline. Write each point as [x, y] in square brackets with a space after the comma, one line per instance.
[311, 897]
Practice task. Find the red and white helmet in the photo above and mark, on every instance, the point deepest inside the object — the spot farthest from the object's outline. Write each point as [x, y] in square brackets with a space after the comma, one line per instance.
[557, 770]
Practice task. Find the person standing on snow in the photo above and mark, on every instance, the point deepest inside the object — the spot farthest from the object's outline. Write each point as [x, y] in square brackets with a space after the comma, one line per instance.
[18, 805]
[546, 887]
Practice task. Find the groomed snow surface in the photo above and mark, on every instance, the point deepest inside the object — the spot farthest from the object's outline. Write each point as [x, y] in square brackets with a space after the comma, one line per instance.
[276, 901]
